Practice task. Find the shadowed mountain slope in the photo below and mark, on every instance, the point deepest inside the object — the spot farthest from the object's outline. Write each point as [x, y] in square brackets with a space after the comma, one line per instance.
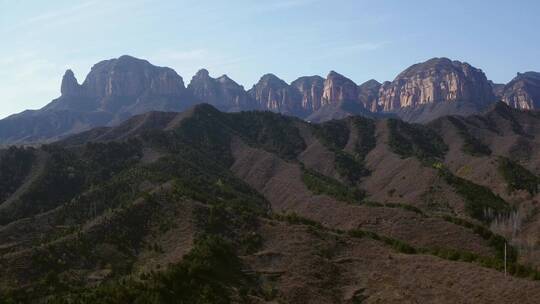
[259, 207]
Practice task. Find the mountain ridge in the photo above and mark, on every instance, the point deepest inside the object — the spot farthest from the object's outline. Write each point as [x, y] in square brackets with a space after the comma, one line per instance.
[117, 89]
[283, 199]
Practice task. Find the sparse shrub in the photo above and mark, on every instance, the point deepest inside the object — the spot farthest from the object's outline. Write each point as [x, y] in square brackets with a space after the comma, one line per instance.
[480, 202]
[321, 184]
[415, 140]
[517, 177]
[471, 145]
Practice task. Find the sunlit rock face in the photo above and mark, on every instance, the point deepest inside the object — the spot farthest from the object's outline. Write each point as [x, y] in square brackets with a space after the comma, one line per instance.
[368, 94]
[434, 81]
[523, 92]
[311, 91]
[274, 94]
[339, 88]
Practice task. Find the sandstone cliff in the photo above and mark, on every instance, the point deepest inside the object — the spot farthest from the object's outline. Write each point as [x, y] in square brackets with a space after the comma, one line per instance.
[368, 94]
[338, 88]
[523, 92]
[273, 94]
[311, 91]
[434, 81]
[223, 92]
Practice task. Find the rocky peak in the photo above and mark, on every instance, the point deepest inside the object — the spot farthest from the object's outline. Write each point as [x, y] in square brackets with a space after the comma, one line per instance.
[311, 89]
[70, 86]
[271, 80]
[202, 73]
[368, 93]
[338, 88]
[222, 92]
[274, 94]
[225, 79]
[131, 77]
[434, 81]
[523, 92]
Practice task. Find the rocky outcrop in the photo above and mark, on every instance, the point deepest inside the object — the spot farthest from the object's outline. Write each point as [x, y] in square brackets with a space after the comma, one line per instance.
[338, 88]
[223, 92]
[117, 89]
[113, 91]
[311, 90]
[70, 86]
[368, 94]
[274, 94]
[434, 81]
[523, 92]
[497, 89]
[121, 82]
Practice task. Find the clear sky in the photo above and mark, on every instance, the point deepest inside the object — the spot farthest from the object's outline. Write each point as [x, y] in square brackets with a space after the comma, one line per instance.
[247, 38]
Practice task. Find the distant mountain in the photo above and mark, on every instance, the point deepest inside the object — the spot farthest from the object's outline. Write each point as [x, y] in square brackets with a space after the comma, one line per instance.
[117, 89]
[341, 97]
[257, 207]
[113, 91]
[274, 94]
[368, 94]
[311, 91]
[523, 92]
[223, 92]
[436, 81]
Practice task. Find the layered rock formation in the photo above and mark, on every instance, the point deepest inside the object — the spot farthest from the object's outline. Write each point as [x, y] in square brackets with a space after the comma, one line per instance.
[523, 92]
[123, 82]
[273, 94]
[338, 88]
[311, 89]
[434, 81]
[114, 90]
[223, 92]
[117, 89]
[368, 94]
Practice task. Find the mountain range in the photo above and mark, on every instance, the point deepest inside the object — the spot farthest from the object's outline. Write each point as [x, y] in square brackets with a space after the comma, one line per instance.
[204, 206]
[118, 89]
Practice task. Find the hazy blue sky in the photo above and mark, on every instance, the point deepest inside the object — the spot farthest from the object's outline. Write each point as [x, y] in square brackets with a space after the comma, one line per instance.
[245, 39]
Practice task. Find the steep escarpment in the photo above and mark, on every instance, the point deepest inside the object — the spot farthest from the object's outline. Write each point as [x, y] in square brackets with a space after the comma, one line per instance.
[311, 89]
[223, 92]
[120, 88]
[434, 81]
[113, 91]
[274, 94]
[368, 94]
[523, 92]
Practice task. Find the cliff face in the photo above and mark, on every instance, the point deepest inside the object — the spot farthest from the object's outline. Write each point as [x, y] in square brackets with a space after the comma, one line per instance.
[222, 92]
[311, 91]
[113, 91]
[338, 88]
[120, 82]
[523, 92]
[273, 94]
[434, 81]
[70, 86]
[117, 89]
[305, 95]
[368, 94]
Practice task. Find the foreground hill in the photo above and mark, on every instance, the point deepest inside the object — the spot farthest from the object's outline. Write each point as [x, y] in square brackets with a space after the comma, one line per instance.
[118, 89]
[256, 207]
